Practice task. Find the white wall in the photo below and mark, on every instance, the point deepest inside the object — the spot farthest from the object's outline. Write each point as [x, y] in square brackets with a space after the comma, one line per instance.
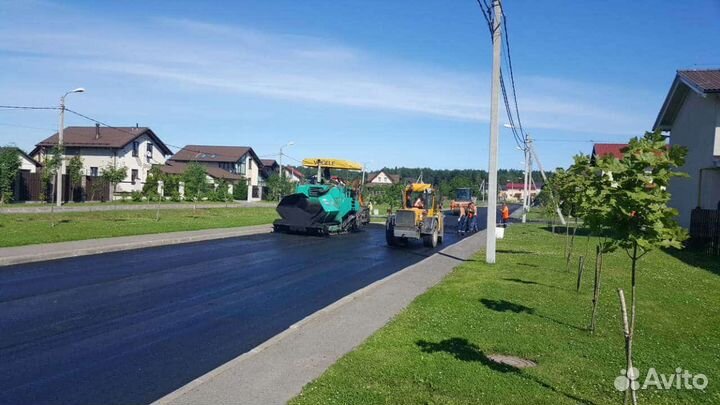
[26, 164]
[695, 127]
[381, 178]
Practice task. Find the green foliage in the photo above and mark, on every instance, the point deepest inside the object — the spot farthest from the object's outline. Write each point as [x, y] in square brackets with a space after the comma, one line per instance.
[51, 165]
[221, 191]
[391, 195]
[9, 167]
[634, 194]
[74, 170]
[240, 191]
[279, 187]
[195, 178]
[114, 174]
[136, 196]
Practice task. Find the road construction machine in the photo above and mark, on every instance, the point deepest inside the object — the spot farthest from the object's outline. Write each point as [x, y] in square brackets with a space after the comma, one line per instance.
[463, 198]
[419, 218]
[325, 204]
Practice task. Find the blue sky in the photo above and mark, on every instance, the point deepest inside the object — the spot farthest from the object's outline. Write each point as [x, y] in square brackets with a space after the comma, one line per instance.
[401, 83]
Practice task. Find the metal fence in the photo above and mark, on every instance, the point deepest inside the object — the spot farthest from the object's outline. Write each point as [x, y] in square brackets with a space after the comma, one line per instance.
[705, 230]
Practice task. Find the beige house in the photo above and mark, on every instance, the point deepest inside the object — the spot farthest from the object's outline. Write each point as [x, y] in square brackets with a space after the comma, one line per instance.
[382, 177]
[232, 163]
[27, 164]
[691, 114]
[135, 148]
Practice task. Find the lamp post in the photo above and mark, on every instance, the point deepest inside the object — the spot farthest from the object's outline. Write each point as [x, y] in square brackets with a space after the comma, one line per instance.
[291, 143]
[526, 180]
[61, 169]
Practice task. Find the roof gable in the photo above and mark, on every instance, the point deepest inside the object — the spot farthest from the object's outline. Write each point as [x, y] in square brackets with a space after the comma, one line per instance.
[702, 82]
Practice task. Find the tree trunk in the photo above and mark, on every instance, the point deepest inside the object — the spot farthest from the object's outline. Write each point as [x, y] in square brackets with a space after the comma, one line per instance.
[581, 268]
[596, 288]
[632, 319]
[567, 241]
[627, 332]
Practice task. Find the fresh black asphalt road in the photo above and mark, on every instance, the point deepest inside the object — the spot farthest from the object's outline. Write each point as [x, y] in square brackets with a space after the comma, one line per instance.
[129, 327]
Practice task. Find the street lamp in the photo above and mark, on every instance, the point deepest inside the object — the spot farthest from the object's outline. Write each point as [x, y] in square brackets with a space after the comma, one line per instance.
[364, 166]
[291, 143]
[61, 169]
[526, 181]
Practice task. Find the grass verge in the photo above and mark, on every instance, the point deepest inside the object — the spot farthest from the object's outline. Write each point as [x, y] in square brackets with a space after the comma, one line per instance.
[27, 229]
[436, 351]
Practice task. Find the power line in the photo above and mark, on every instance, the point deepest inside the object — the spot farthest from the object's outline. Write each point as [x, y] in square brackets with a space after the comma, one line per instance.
[23, 107]
[512, 75]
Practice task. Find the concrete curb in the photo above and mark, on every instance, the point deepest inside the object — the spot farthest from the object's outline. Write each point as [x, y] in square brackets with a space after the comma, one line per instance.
[61, 250]
[303, 328]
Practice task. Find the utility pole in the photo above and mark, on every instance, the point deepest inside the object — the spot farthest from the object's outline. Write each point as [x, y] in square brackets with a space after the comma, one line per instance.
[542, 172]
[282, 170]
[61, 126]
[494, 129]
[526, 200]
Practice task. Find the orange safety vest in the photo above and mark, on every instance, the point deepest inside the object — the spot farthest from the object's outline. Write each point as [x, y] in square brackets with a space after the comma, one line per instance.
[506, 213]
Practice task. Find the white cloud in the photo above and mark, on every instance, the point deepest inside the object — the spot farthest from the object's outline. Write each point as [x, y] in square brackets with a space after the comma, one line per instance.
[206, 57]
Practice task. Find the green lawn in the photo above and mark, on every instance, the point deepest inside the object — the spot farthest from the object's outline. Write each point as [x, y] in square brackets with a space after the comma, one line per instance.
[526, 305]
[26, 229]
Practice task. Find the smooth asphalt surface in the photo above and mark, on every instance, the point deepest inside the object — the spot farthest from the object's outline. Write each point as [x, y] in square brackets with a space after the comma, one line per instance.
[129, 327]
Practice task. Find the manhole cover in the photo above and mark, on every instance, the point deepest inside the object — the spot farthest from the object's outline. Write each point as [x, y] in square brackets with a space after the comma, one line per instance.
[512, 361]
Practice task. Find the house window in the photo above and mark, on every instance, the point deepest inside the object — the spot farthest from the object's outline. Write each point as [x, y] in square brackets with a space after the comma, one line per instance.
[94, 171]
[136, 146]
[149, 151]
[242, 168]
[134, 176]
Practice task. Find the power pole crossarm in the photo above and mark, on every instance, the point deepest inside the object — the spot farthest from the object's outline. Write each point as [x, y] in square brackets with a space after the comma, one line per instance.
[490, 241]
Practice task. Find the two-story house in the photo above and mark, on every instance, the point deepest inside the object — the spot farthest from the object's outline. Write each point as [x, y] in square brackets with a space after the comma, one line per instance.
[135, 148]
[233, 160]
[691, 114]
[271, 167]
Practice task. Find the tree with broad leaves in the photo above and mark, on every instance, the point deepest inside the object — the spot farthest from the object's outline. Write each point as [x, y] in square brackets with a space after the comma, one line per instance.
[636, 217]
[114, 174]
[9, 169]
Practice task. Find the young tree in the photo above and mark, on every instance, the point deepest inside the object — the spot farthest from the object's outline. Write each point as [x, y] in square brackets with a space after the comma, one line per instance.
[638, 218]
[195, 178]
[74, 171]
[114, 175]
[9, 167]
[51, 165]
[240, 191]
[278, 187]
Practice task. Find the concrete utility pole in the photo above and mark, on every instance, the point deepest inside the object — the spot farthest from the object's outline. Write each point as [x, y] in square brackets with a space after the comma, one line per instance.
[526, 183]
[494, 129]
[61, 125]
[282, 169]
[542, 172]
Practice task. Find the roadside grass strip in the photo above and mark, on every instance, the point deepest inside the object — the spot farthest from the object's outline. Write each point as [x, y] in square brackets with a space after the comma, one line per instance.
[450, 345]
[27, 229]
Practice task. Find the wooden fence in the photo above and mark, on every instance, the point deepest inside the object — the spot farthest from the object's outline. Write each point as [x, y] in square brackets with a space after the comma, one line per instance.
[705, 230]
[29, 187]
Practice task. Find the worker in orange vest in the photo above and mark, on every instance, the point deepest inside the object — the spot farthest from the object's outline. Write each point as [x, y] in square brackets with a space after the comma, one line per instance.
[505, 214]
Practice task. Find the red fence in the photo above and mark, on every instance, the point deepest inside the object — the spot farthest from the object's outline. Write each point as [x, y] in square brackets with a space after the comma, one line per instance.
[705, 230]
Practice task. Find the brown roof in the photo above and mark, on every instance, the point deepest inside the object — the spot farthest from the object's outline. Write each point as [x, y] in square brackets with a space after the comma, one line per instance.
[22, 152]
[707, 81]
[212, 153]
[102, 137]
[394, 178]
[214, 172]
[268, 162]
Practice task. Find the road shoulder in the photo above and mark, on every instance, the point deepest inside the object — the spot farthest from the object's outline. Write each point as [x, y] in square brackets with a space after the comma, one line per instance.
[60, 250]
[276, 371]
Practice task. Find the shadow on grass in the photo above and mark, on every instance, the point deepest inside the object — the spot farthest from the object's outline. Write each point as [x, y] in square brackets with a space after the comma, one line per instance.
[560, 230]
[456, 258]
[510, 251]
[697, 258]
[463, 350]
[507, 306]
[528, 265]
